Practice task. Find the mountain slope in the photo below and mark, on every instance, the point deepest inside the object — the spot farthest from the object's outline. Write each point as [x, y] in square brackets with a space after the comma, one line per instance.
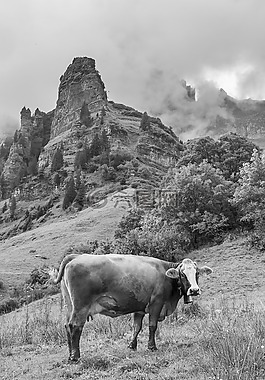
[45, 245]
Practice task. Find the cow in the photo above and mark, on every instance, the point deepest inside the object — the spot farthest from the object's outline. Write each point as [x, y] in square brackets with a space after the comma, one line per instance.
[116, 284]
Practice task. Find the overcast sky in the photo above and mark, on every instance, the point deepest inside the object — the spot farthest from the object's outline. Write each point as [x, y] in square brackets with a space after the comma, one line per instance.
[141, 47]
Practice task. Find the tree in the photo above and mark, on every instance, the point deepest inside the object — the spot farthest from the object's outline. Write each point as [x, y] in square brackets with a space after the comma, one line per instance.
[145, 122]
[228, 153]
[77, 179]
[70, 193]
[33, 166]
[103, 111]
[85, 116]
[95, 147]
[12, 206]
[4, 208]
[57, 160]
[56, 180]
[3, 185]
[235, 150]
[197, 150]
[105, 145]
[202, 200]
[249, 196]
[81, 195]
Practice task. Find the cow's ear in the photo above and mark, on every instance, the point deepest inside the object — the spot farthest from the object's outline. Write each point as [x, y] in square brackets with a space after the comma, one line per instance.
[205, 270]
[172, 273]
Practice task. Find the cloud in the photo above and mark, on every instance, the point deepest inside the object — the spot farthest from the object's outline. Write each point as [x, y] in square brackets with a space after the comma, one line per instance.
[139, 46]
[8, 125]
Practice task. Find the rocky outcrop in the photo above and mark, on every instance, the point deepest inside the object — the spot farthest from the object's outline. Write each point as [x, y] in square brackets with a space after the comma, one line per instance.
[249, 116]
[82, 111]
[29, 140]
[244, 117]
[80, 86]
[191, 92]
[159, 144]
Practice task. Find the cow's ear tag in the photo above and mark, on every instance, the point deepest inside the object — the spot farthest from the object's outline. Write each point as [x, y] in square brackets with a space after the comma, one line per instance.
[172, 273]
[205, 270]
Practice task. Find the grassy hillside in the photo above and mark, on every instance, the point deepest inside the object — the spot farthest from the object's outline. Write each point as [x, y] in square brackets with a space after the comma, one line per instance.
[221, 336]
[45, 245]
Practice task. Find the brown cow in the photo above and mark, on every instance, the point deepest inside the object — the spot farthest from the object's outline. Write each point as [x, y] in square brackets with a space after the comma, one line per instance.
[115, 285]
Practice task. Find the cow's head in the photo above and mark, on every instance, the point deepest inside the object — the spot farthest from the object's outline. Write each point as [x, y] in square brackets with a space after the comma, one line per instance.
[187, 275]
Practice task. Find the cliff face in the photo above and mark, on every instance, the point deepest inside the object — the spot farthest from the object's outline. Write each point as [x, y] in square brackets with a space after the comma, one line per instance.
[83, 111]
[80, 86]
[249, 116]
[29, 140]
[244, 117]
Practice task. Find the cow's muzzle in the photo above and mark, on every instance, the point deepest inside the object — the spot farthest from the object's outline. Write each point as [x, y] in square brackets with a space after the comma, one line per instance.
[193, 292]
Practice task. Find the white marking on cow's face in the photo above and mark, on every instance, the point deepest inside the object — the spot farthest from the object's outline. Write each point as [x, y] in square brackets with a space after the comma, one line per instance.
[189, 269]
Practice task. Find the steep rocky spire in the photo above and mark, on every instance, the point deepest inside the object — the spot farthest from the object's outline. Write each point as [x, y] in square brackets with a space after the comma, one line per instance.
[81, 83]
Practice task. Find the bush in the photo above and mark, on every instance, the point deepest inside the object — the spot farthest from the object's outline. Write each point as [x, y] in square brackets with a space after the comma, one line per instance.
[129, 222]
[70, 193]
[91, 167]
[8, 305]
[57, 160]
[153, 237]
[119, 158]
[203, 201]
[36, 287]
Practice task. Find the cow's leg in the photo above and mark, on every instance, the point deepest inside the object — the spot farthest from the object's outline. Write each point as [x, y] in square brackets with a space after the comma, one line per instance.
[137, 326]
[74, 329]
[154, 312]
[69, 310]
[69, 339]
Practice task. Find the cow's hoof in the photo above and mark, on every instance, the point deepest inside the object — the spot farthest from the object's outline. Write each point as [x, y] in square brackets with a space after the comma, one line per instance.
[152, 348]
[132, 346]
[73, 360]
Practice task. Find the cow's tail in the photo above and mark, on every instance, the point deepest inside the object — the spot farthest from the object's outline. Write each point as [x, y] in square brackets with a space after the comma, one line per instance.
[57, 275]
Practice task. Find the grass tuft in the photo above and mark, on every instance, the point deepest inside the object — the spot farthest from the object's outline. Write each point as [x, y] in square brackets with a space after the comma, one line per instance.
[233, 341]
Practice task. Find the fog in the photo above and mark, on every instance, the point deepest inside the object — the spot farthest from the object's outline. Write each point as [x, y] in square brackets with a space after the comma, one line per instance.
[142, 48]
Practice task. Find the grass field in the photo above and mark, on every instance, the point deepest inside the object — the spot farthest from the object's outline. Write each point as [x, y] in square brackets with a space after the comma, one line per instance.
[201, 342]
[221, 336]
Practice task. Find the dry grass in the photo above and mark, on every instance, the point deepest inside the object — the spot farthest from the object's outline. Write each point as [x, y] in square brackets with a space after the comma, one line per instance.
[233, 343]
[224, 343]
[212, 339]
[46, 244]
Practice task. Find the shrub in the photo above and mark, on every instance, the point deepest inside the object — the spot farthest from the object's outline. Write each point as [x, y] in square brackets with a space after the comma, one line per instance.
[153, 236]
[203, 201]
[8, 305]
[85, 116]
[12, 206]
[57, 160]
[70, 193]
[91, 167]
[108, 173]
[135, 184]
[81, 195]
[129, 222]
[119, 158]
[145, 122]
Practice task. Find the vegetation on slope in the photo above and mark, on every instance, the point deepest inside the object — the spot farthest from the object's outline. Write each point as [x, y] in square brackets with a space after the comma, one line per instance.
[219, 342]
